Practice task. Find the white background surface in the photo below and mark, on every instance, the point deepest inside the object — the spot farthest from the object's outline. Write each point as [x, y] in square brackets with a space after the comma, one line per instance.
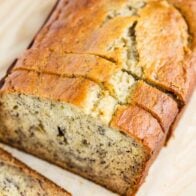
[172, 174]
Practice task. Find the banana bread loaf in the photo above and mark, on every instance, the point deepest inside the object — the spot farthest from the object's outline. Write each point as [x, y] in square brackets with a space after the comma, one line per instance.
[100, 87]
[17, 179]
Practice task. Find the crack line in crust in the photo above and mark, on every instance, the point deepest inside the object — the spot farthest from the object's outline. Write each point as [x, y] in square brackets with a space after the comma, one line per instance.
[110, 59]
[163, 90]
[134, 50]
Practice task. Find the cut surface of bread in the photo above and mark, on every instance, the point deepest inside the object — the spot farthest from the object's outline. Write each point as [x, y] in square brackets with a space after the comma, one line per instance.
[97, 95]
[45, 115]
[17, 179]
[62, 134]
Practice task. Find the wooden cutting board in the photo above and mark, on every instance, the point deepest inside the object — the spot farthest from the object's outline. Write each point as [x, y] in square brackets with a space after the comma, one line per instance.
[172, 174]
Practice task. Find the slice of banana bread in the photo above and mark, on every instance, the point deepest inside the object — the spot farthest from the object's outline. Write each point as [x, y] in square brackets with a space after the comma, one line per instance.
[17, 179]
[97, 92]
[64, 121]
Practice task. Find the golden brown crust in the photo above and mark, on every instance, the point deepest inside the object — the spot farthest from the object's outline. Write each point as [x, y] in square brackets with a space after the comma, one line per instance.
[160, 28]
[67, 64]
[164, 30]
[159, 104]
[48, 185]
[188, 11]
[69, 90]
[137, 122]
[161, 41]
[89, 33]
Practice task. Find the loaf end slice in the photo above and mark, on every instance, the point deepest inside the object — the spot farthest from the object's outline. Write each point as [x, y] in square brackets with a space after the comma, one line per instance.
[18, 179]
[60, 130]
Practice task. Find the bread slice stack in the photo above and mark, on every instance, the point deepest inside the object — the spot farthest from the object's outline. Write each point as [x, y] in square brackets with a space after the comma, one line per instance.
[18, 179]
[100, 88]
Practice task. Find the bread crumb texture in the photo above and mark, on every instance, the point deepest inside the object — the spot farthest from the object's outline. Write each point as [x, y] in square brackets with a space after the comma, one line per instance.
[17, 179]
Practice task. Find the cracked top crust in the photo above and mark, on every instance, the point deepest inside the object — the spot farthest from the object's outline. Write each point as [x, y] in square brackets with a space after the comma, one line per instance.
[99, 63]
[89, 66]
[40, 183]
[149, 39]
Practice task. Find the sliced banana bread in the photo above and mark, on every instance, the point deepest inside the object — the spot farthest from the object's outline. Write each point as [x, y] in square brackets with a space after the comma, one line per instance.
[65, 120]
[17, 179]
[99, 88]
